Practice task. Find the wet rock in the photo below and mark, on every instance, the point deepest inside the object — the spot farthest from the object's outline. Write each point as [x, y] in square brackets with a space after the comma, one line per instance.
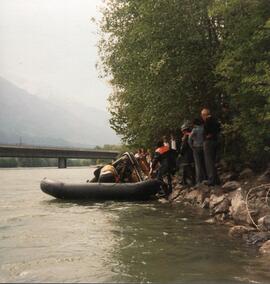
[163, 200]
[175, 194]
[238, 208]
[265, 248]
[246, 173]
[265, 177]
[222, 207]
[205, 203]
[201, 196]
[264, 223]
[257, 238]
[238, 231]
[210, 221]
[192, 196]
[231, 186]
[221, 217]
[215, 200]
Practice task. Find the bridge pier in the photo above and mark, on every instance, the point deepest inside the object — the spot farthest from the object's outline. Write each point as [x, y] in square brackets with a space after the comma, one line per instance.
[62, 163]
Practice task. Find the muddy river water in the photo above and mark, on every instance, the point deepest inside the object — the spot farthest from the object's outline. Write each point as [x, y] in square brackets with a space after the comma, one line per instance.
[47, 240]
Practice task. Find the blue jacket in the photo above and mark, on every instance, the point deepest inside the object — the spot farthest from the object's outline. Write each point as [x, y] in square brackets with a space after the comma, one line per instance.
[196, 137]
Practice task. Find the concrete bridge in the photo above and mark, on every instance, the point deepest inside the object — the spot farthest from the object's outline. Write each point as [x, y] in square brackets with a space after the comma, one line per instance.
[62, 154]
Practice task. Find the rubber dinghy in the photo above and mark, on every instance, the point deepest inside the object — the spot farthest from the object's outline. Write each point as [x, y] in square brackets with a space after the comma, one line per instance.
[142, 190]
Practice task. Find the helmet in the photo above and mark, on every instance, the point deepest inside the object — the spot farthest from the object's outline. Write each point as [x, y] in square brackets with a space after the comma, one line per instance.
[184, 126]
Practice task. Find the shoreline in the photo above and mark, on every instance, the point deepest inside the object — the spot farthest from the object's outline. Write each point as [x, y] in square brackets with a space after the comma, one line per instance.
[242, 203]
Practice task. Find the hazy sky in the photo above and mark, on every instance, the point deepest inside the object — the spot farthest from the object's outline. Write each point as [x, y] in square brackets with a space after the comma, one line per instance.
[48, 47]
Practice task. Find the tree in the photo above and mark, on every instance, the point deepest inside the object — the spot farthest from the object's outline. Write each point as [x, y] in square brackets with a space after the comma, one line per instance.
[168, 59]
[160, 56]
[244, 70]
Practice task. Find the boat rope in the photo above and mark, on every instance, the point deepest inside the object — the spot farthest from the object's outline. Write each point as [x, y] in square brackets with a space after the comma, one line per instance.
[247, 207]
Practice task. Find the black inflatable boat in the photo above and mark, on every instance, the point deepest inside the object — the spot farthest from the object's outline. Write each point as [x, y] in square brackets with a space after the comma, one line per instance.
[143, 190]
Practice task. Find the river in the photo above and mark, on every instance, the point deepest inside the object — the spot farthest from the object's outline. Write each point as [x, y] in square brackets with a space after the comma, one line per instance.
[47, 240]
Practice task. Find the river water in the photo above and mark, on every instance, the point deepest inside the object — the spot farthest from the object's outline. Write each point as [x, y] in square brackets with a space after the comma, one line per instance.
[47, 240]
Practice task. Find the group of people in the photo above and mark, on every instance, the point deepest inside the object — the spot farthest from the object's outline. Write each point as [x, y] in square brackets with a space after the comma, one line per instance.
[194, 153]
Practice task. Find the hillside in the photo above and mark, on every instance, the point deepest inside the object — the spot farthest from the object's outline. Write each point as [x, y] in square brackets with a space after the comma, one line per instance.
[41, 122]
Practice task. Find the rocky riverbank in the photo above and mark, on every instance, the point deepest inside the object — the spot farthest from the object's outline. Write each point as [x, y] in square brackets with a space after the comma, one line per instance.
[242, 203]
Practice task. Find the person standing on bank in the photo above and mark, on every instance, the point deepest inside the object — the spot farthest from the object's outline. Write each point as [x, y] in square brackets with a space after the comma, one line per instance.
[186, 158]
[211, 133]
[174, 148]
[195, 141]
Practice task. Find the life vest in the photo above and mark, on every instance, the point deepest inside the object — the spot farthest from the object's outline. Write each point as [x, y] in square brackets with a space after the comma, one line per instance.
[162, 150]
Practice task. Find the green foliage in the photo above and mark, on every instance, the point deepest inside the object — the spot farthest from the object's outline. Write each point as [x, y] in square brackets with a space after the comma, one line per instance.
[160, 62]
[168, 59]
[244, 70]
[8, 163]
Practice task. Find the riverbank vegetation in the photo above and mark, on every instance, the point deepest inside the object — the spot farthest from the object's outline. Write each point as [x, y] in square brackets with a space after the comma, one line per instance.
[168, 59]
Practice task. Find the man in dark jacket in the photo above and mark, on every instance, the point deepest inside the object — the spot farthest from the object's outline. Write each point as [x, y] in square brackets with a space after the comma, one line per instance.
[211, 133]
[186, 158]
[162, 156]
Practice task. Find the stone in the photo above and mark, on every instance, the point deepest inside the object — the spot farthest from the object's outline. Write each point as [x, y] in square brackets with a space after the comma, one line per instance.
[238, 231]
[246, 173]
[231, 186]
[265, 248]
[192, 196]
[210, 221]
[221, 217]
[222, 207]
[163, 200]
[174, 194]
[264, 223]
[225, 177]
[238, 208]
[265, 177]
[215, 200]
[205, 204]
[257, 238]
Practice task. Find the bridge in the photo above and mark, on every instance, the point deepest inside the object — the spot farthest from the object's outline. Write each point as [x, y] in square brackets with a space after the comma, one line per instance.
[62, 154]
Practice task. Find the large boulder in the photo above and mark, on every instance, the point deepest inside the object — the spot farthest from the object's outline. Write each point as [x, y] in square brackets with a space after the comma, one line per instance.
[264, 223]
[265, 248]
[231, 186]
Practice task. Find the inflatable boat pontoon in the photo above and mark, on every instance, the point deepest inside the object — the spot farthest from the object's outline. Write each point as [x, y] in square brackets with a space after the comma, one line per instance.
[143, 190]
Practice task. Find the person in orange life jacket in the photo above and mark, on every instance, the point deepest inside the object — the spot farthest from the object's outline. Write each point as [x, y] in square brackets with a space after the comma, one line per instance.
[186, 158]
[162, 157]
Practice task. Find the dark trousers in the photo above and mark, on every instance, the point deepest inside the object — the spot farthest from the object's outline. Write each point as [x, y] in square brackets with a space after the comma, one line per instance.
[198, 155]
[166, 187]
[188, 174]
[210, 153]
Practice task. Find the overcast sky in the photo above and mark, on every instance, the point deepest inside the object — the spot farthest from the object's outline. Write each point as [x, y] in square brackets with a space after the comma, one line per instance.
[48, 47]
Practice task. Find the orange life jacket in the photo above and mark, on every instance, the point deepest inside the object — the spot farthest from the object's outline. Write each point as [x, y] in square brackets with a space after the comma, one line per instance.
[162, 150]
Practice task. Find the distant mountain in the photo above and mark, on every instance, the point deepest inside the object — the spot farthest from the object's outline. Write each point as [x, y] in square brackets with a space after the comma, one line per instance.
[40, 122]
